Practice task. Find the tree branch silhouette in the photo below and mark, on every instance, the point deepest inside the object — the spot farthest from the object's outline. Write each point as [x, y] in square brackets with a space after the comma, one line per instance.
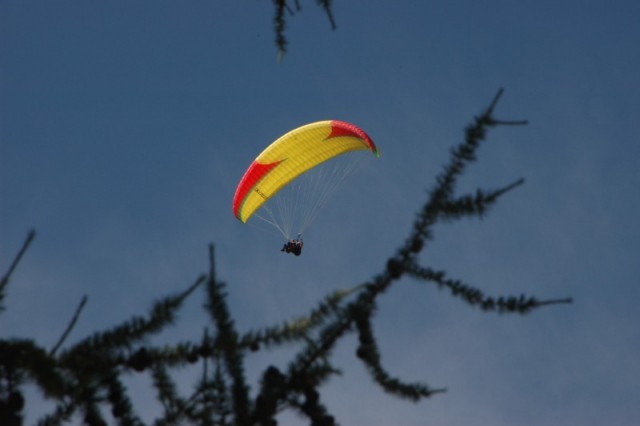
[282, 9]
[72, 323]
[85, 380]
[5, 278]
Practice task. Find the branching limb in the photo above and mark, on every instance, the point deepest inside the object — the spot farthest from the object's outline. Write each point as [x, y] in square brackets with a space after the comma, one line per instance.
[228, 342]
[21, 358]
[121, 406]
[125, 335]
[173, 405]
[281, 8]
[446, 181]
[370, 356]
[475, 297]
[86, 378]
[322, 347]
[326, 5]
[298, 329]
[475, 205]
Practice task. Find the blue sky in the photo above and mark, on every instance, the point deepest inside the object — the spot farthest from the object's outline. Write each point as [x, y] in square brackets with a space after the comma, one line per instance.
[125, 126]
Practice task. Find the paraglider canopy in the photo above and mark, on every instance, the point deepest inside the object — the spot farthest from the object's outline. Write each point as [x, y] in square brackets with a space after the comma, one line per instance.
[293, 155]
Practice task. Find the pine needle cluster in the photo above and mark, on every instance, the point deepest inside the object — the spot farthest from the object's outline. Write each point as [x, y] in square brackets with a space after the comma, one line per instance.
[85, 379]
[283, 10]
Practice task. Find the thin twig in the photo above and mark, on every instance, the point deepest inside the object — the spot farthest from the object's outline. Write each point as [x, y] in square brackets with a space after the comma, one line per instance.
[510, 122]
[487, 116]
[5, 280]
[202, 278]
[72, 324]
[494, 102]
[568, 300]
[506, 189]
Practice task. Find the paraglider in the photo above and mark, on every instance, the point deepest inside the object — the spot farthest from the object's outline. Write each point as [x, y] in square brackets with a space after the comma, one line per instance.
[287, 168]
[293, 246]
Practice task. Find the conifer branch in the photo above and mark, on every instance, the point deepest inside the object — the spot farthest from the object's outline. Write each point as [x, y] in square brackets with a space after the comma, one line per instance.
[125, 335]
[289, 390]
[326, 5]
[184, 353]
[20, 357]
[72, 323]
[280, 24]
[87, 378]
[121, 407]
[565, 301]
[273, 389]
[89, 407]
[25, 245]
[299, 328]
[370, 356]
[489, 111]
[495, 194]
[173, 405]
[207, 400]
[442, 195]
[5, 279]
[445, 184]
[307, 366]
[227, 340]
[315, 410]
[475, 205]
[61, 414]
[475, 297]
[321, 347]
[281, 7]
[218, 396]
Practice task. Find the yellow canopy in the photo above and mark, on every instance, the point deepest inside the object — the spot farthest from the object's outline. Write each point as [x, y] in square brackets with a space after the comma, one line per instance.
[290, 156]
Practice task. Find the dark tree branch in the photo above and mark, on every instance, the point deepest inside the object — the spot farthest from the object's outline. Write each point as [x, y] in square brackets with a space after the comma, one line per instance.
[87, 379]
[281, 8]
[369, 354]
[475, 297]
[228, 342]
[5, 279]
[72, 323]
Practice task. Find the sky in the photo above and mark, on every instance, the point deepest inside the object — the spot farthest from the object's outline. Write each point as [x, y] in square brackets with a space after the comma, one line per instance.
[126, 126]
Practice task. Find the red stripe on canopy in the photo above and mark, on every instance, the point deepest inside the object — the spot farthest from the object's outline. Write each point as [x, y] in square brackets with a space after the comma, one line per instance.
[254, 174]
